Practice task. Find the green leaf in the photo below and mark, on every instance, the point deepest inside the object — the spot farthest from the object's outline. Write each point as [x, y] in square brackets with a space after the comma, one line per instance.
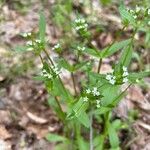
[63, 63]
[108, 51]
[80, 65]
[93, 52]
[113, 137]
[126, 56]
[21, 49]
[80, 107]
[84, 119]
[98, 142]
[102, 110]
[82, 144]
[55, 138]
[126, 16]
[117, 99]
[42, 27]
[139, 75]
[59, 90]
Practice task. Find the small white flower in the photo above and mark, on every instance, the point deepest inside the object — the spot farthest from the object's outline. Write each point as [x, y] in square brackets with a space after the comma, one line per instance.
[49, 76]
[98, 101]
[137, 9]
[29, 33]
[94, 91]
[148, 11]
[44, 71]
[109, 76]
[81, 48]
[112, 81]
[97, 93]
[125, 80]
[125, 74]
[56, 46]
[98, 105]
[88, 91]
[134, 16]
[85, 99]
[24, 34]
[38, 41]
[29, 43]
[124, 68]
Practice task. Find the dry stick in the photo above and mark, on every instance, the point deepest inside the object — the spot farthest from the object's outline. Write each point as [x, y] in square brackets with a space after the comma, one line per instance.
[74, 85]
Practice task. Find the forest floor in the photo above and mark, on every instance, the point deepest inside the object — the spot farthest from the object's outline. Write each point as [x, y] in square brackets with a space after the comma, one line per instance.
[25, 116]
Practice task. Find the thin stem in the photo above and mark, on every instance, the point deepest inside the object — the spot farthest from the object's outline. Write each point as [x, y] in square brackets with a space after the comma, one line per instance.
[51, 61]
[48, 57]
[60, 108]
[74, 84]
[57, 101]
[91, 130]
[99, 65]
[41, 59]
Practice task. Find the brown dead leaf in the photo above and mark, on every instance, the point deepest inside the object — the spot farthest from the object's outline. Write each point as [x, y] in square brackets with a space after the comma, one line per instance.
[4, 134]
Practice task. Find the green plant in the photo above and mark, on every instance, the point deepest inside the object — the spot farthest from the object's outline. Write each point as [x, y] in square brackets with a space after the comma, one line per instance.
[99, 93]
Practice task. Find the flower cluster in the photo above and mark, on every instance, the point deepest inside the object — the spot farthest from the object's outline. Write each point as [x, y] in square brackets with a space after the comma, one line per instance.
[116, 79]
[93, 94]
[138, 14]
[25, 35]
[46, 74]
[53, 72]
[125, 74]
[37, 44]
[56, 47]
[80, 25]
[80, 49]
[56, 70]
[111, 78]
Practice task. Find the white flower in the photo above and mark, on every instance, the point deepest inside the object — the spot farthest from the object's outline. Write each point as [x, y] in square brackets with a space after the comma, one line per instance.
[137, 9]
[85, 99]
[29, 43]
[125, 74]
[38, 41]
[109, 76]
[95, 92]
[98, 105]
[148, 11]
[56, 46]
[125, 80]
[124, 68]
[134, 16]
[88, 91]
[81, 48]
[29, 34]
[24, 34]
[112, 81]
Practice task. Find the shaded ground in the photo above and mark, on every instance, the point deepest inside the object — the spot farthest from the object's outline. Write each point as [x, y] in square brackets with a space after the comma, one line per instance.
[25, 116]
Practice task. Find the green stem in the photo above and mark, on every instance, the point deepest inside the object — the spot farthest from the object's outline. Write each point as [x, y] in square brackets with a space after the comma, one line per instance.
[99, 65]
[74, 84]
[51, 61]
[91, 130]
